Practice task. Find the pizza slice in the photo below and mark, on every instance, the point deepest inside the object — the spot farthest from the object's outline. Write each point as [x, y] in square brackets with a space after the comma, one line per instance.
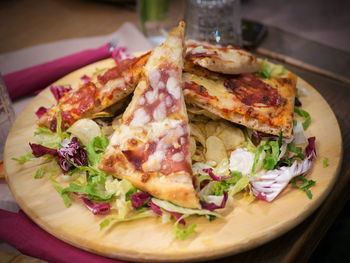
[265, 105]
[223, 59]
[98, 94]
[151, 147]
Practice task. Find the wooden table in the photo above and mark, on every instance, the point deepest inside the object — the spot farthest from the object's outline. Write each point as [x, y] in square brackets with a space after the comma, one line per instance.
[55, 20]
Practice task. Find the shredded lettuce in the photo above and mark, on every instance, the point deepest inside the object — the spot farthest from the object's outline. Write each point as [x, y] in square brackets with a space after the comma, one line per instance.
[107, 221]
[271, 159]
[267, 71]
[42, 130]
[50, 167]
[325, 162]
[182, 210]
[185, 232]
[39, 173]
[257, 158]
[239, 186]
[304, 114]
[124, 208]
[24, 158]
[96, 149]
[306, 184]
[59, 189]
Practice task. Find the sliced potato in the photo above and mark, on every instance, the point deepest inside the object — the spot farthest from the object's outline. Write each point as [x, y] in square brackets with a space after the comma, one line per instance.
[197, 134]
[215, 149]
[210, 128]
[231, 136]
[192, 146]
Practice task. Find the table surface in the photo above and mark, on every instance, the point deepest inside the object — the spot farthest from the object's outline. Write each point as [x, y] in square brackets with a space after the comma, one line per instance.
[104, 18]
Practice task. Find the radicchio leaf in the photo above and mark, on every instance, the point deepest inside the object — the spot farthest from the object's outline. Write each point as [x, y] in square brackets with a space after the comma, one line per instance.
[39, 150]
[41, 111]
[156, 209]
[59, 91]
[212, 206]
[96, 208]
[119, 54]
[138, 199]
[310, 150]
[204, 183]
[72, 151]
[213, 176]
[85, 78]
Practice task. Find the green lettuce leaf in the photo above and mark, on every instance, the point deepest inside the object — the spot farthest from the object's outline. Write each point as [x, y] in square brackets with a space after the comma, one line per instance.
[182, 210]
[107, 221]
[242, 183]
[24, 158]
[96, 149]
[304, 114]
[182, 233]
[59, 189]
[43, 130]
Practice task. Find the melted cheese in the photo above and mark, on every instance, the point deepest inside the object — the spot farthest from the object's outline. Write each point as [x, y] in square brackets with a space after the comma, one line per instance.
[173, 87]
[140, 118]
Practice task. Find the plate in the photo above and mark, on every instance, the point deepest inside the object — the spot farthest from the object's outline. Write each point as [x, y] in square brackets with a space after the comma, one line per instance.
[244, 227]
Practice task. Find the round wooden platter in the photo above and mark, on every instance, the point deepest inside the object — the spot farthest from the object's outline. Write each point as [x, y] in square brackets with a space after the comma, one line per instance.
[243, 226]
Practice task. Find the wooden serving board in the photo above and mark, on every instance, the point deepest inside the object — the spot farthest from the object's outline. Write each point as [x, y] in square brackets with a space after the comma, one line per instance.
[243, 227]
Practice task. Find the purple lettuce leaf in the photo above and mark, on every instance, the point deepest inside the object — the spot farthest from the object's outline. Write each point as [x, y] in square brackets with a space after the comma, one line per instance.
[212, 206]
[41, 111]
[39, 150]
[72, 151]
[119, 54]
[138, 199]
[213, 176]
[59, 91]
[156, 209]
[96, 208]
[85, 78]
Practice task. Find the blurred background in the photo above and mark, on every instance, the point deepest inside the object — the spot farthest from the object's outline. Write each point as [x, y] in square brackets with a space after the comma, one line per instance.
[29, 22]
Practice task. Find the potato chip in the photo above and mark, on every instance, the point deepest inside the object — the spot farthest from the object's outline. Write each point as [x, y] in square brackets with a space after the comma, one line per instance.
[210, 128]
[231, 136]
[197, 133]
[192, 146]
[215, 149]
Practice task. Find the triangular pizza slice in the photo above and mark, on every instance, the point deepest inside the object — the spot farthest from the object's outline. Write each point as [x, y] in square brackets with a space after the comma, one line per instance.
[151, 147]
[265, 105]
[97, 94]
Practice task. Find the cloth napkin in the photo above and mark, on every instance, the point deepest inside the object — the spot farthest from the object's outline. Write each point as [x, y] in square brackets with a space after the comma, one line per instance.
[28, 80]
[36, 67]
[18, 230]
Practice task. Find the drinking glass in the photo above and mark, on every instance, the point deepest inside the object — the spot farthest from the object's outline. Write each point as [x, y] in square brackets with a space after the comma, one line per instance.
[7, 116]
[217, 21]
[158, 17]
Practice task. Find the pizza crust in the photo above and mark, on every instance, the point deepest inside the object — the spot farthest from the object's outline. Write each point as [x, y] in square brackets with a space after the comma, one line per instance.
[222, 59]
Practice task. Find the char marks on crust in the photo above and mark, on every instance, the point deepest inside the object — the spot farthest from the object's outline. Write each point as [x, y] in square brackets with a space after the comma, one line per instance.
[250, 90]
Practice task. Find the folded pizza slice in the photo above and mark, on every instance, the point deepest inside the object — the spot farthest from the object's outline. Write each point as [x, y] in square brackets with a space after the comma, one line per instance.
[265, 105]
[222, 59]
[96, 95]
[151, 146]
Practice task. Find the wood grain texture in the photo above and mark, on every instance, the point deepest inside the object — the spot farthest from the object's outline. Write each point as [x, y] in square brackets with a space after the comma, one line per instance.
[244, 227]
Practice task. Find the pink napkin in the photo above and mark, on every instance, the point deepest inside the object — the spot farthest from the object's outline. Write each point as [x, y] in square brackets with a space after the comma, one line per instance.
[28, 80]
[19, 231]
